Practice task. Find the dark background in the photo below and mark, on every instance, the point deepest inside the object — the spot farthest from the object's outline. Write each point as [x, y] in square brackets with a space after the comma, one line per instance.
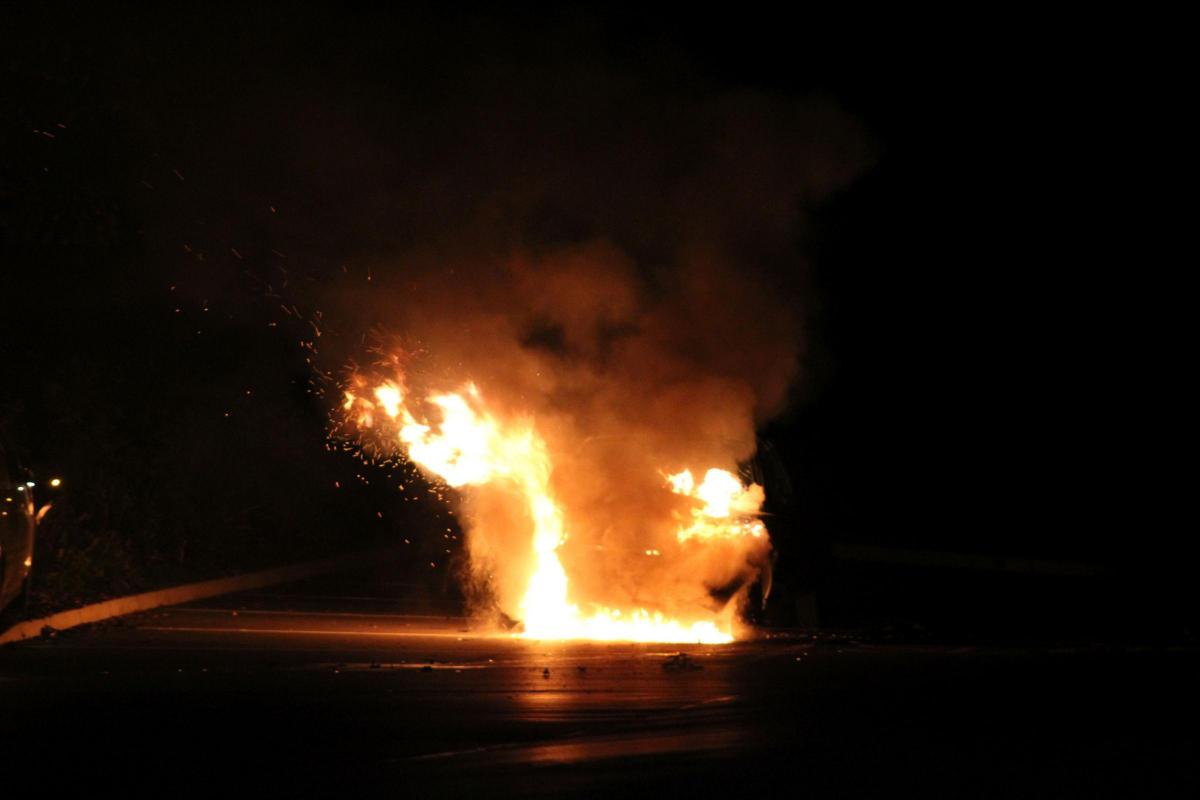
[967, 381]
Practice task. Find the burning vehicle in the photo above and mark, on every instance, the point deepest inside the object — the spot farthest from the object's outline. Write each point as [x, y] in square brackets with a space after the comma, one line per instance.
[680, 583]
[592, 425]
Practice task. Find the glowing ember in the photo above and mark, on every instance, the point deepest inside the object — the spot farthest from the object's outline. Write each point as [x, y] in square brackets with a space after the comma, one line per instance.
[455, 437]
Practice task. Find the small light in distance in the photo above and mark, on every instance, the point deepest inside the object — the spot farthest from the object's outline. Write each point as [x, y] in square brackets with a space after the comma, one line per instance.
[56, 482]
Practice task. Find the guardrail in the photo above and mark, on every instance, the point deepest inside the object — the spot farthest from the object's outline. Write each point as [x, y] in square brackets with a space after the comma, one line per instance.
[120, 606]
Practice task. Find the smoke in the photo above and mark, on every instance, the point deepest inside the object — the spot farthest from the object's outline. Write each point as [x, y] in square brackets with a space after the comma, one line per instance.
[609, 246]
[625, 271]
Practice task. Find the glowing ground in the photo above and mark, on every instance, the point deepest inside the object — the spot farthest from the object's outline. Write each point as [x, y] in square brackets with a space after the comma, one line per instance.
[302, 692]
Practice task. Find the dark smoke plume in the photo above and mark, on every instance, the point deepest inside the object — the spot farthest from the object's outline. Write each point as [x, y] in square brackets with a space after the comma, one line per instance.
[622, 264]
[610, 244]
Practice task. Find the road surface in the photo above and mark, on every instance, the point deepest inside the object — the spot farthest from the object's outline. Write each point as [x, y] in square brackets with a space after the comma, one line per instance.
[341, 689]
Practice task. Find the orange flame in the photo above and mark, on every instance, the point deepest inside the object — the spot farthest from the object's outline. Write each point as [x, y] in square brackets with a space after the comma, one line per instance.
[458, 440]
[723, 496]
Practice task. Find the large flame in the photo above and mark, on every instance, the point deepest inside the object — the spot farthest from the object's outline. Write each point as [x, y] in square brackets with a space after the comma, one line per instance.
[727, 505]
[454, 436]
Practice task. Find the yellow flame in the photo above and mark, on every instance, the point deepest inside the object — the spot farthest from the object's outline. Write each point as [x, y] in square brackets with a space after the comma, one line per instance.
[390, 397]
[463, 444]
[724, 507]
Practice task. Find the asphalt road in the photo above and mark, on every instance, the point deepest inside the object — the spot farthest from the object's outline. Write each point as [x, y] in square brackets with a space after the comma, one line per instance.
[338, 688]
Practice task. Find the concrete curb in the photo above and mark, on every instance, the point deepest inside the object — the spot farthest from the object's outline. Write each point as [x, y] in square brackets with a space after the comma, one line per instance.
[192, 591]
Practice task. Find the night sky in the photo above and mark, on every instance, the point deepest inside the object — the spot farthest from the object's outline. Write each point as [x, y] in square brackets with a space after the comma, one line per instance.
[187, 198]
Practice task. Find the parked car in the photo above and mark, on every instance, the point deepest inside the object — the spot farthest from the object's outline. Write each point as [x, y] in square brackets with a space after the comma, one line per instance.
[17, 524]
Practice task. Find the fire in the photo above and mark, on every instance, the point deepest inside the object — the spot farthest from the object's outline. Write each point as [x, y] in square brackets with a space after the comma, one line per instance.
[455, 437]
[727, 504]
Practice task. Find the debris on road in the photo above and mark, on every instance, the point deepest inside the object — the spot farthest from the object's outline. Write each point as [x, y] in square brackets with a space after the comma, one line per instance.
[680, 662]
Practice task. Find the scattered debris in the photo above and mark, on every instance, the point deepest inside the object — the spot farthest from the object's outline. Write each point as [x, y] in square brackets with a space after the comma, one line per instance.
[680, 662]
